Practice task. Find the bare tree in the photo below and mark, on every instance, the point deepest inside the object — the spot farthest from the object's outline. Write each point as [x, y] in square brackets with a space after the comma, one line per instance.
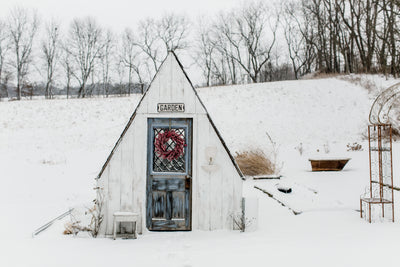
[297, 35]
[212, 54]
[106, 60]
[84, 46]
[172, 29]
[120, 69]
[68, 68]
[147, 41]
[360, 18]
[50, 50]
[131, 58]
[226, 69]
[205, 51]
[156, 38]
[23, 25]
[245, 30]
[4, 51]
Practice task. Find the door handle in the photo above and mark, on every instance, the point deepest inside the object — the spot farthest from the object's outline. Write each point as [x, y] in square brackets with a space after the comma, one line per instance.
[188, 181]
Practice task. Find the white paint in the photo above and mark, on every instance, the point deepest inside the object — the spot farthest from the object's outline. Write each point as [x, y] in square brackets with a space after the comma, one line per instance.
[251, 213]
[215, 195]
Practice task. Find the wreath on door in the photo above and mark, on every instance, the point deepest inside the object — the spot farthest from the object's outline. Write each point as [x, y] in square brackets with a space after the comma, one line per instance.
[165, 151]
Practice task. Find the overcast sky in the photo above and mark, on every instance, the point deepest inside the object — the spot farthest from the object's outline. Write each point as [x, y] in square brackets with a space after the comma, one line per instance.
[118, 14]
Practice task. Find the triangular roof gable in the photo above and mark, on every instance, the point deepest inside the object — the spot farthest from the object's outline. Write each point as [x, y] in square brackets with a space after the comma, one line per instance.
[171, 55]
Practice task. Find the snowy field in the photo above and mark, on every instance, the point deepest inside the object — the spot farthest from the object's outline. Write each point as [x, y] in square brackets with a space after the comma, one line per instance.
[51, 151]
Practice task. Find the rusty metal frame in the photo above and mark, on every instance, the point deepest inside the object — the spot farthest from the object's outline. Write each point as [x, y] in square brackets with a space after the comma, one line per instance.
[378, 136]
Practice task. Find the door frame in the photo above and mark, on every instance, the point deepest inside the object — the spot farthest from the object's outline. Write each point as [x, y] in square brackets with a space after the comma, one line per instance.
[161, 122]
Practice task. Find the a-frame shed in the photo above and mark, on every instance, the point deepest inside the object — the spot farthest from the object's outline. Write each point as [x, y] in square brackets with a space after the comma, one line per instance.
[198, 186]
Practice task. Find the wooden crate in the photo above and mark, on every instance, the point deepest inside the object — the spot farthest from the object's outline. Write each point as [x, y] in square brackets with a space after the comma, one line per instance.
[328, 164]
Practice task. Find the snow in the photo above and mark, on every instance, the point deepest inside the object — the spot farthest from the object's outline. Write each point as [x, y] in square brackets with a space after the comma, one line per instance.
[292, 112]
[51, 151]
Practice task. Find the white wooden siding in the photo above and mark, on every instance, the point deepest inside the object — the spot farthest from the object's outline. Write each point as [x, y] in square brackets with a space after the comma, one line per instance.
[170, 85]
[215, 196]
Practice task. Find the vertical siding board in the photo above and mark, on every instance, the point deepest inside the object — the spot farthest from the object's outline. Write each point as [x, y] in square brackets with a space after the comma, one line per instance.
[237, 193]
[195, 173]
[204, 177]
[223, 199]
[175, 86]
[184, 95]
[170, 86]
[165, 86]
[215, 186]
[143, 171]
[109, 196]
[188, 96]
[231, 176]
[226, 188]
[222, 188]
[139, 177]
[127, 171]
[114, 188]
[103, 184]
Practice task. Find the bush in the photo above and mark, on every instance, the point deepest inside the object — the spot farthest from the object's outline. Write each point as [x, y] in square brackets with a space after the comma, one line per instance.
[255, 162]
[96, 218]
[354, 147]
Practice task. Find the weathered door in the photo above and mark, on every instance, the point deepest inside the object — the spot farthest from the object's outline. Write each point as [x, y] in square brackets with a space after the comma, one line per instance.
[169, 178]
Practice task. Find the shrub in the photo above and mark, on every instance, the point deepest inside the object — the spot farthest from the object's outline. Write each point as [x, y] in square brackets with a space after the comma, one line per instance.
[255, 162]
[240, 221]
[96, 218]
[354, 147]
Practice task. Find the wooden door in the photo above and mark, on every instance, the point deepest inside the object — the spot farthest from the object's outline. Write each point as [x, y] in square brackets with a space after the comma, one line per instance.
[169, 179]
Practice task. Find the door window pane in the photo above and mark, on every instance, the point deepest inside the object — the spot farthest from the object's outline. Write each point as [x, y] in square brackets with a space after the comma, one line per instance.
[165, 165]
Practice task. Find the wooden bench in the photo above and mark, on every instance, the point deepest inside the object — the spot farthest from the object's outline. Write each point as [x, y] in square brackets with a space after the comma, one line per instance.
[125, 216]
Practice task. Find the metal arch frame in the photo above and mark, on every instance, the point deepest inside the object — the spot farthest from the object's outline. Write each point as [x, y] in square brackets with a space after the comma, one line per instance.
[384, 99]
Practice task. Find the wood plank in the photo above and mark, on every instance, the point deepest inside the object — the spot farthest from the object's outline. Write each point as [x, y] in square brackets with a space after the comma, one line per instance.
[165, 79]
[204, 181]
[188, 95]
[177, 85]
[228, 177]
[195, 173]
[103, 184]
[139, 175]
[225, 189]
[227, 195]
[237, 192]
[216, 191]
[127, 159]
[235, 204]
[215, 183]
[114, 189]
[126, 182]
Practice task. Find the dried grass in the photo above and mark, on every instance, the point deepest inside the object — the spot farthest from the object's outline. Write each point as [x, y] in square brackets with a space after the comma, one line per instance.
[320, 75]
[362, 81]
[255, 162]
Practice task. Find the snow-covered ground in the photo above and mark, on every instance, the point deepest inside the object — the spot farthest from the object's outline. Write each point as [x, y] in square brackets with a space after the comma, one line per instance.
[51, 150]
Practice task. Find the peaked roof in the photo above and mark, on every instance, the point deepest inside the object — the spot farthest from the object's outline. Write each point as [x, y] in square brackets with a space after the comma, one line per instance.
[171, 53]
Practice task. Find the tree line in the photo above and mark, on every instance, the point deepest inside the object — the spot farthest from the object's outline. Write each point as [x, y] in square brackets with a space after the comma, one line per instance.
[254, 42]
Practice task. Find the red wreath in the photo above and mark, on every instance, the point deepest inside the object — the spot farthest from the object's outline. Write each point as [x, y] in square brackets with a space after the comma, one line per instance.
[161, 147]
